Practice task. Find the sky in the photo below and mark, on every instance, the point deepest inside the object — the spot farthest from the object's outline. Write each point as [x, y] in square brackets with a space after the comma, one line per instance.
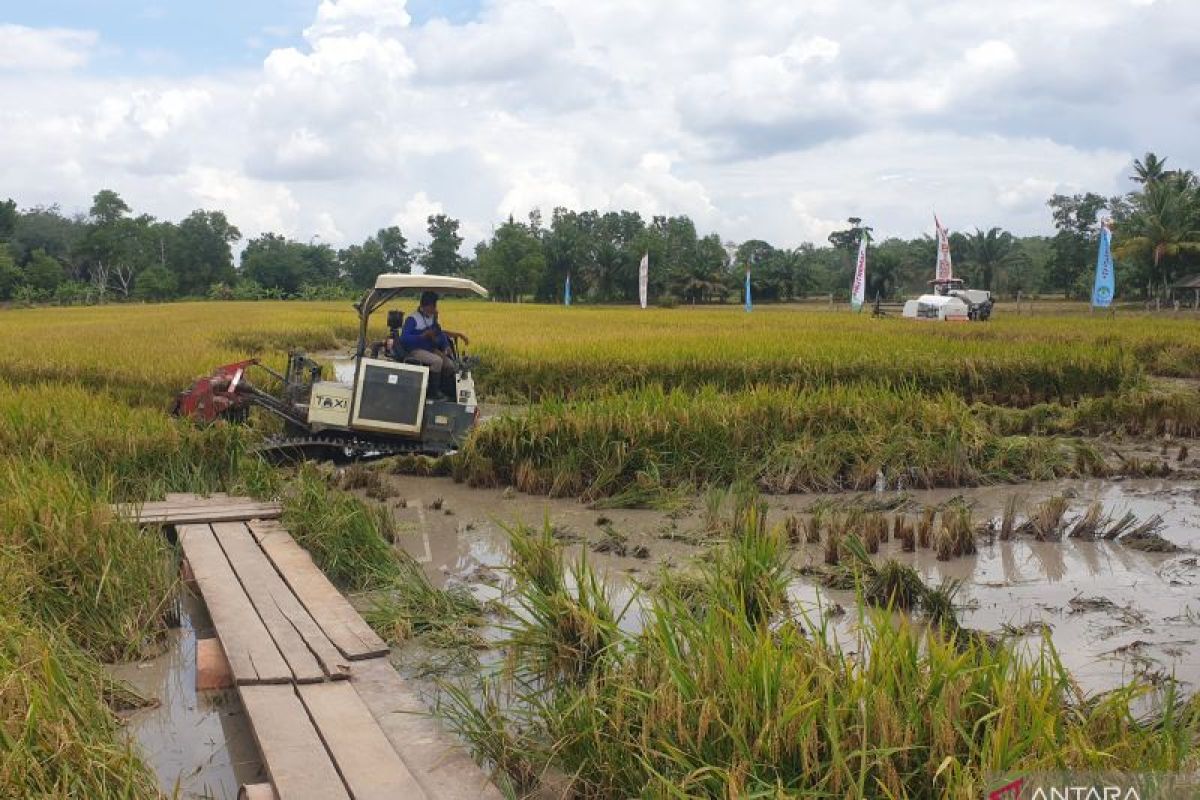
[773, 119]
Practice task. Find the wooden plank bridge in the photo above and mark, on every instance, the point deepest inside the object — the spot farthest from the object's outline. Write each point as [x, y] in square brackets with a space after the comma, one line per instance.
[331, 717]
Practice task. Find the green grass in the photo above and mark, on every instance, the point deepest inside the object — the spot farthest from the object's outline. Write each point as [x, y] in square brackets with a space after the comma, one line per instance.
[572, 624]
[104, 582]
[411, 607]
[351, 541]
[58, 737]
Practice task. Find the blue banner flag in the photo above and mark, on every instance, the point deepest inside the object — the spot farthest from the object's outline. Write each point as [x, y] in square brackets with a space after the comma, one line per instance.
[1102, 291]
[567, 292]
[749, 302]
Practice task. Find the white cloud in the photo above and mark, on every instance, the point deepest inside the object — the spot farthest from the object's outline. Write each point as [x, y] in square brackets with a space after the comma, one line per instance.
[44, 49]
[991, 57]
[807, 225]
[757, 118]
[513, 40]
[1026, 193]
[326, 229]
[252, 205]
[342, 17]
[413, 218]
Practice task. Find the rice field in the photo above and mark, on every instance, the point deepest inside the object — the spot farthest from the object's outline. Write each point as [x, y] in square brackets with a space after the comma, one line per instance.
[622, 407]
[539, 352]
[719, 691]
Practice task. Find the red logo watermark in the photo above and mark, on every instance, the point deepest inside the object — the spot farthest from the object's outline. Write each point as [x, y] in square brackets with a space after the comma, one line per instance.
[1009, 791]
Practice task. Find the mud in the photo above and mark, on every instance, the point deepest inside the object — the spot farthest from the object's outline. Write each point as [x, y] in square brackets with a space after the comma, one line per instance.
[1111, 611]
[199, 744]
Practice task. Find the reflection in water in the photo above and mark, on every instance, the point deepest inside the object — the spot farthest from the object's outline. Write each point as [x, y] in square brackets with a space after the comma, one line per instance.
[199, 742]
[1050, 556]
[1088, 553]
[1007, 583]
[1012, 574]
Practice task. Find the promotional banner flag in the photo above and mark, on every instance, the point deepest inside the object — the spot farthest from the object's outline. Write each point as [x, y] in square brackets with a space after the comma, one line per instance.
[1105, 285]
[643, 277]
[749, 302]
[567, 292]
[944, 271]
[859, 289]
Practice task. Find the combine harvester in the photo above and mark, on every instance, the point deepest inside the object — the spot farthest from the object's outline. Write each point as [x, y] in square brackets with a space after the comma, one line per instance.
[950, 300]
[386, 409]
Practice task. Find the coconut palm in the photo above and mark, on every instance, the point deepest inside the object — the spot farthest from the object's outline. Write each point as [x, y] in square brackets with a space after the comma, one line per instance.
[1148, 170]
[988, 252]
[1164, 224]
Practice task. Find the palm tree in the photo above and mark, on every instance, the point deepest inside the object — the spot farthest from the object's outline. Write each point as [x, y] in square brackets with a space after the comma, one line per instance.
[1165, 223]
[988, 252]
[1148, 170]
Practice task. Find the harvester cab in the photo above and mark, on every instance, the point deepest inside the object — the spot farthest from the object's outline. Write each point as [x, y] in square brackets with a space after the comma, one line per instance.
[388, 406]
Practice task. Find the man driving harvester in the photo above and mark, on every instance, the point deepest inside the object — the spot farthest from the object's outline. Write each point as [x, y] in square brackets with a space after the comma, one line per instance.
[425, 342]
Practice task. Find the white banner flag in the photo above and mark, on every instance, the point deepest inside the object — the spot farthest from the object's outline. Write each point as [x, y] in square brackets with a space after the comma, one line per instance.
[643, 277]
[859, 290]
[944, 271]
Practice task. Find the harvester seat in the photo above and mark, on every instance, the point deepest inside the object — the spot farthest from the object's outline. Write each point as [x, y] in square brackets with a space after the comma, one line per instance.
[395, 321]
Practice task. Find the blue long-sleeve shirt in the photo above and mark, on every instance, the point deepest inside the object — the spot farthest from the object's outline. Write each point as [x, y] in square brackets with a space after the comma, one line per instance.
[411, 337]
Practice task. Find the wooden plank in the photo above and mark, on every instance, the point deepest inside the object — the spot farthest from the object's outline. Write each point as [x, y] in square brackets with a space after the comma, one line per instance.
[252, 654]
[196, 501]
[210, 508]
[196, 504]
[333, 612]
[293, 753]
[199, 517]
[192, 497]
[309, 653]
[212, 667]
[436, 758]
[206, 502]
[148, 513]
[215, 507]
[361, 752]
[257, 791]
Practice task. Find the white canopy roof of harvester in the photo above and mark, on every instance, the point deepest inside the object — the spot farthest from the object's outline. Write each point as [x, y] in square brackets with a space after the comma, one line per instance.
[398, 282]
[939, 300]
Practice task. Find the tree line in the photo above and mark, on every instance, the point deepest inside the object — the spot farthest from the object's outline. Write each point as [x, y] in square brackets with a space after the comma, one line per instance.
[110, 253]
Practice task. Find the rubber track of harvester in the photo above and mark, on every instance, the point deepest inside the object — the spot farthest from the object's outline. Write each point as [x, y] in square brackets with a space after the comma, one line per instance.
[301, 448]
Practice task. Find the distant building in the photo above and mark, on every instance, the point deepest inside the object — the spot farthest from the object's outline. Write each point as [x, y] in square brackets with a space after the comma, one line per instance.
[1181, 288]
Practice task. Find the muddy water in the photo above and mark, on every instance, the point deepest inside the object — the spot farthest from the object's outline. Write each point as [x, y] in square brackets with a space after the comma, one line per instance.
[1149, 624]
[198, 743]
